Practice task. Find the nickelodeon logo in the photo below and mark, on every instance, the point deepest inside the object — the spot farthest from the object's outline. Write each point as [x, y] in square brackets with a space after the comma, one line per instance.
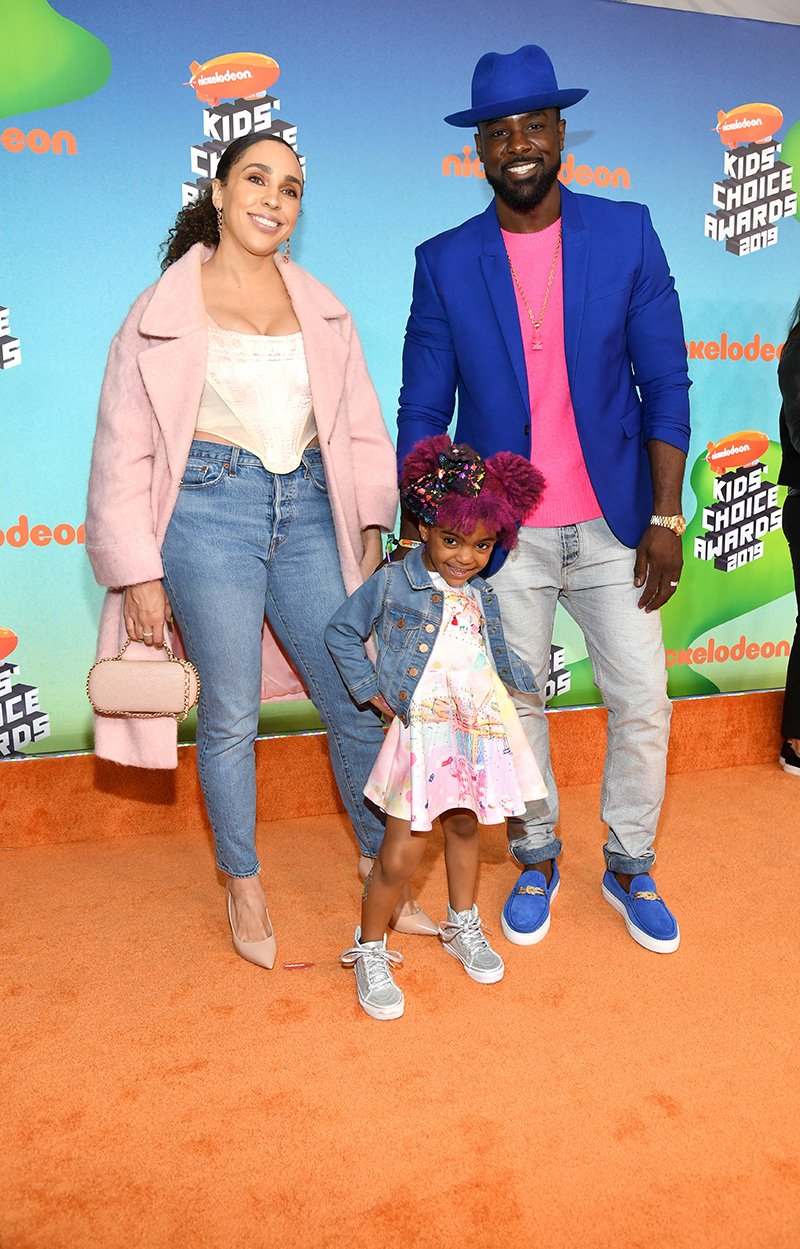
[248, 74]
[22, 533]
[469, 165]
[724, 348]
[749, 123]
[714, 653]
[737, 451]
[39, 141]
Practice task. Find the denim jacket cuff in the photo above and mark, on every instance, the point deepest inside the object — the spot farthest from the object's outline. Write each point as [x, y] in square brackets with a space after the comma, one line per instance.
[365, 690]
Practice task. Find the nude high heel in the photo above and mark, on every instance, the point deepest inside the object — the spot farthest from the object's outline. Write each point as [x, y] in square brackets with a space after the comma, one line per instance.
[418, 924]
[262, 953]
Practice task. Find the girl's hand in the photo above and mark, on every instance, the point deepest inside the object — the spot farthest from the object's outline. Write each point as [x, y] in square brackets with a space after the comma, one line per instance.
[373, 551]
[145, 609]
[383, 707]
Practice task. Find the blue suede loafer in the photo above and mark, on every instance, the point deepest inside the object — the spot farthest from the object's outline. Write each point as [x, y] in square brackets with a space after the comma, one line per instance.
[526, 914]
[647, 916]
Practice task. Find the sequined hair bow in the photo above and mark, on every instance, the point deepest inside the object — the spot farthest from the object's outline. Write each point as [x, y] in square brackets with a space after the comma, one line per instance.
[461, 471]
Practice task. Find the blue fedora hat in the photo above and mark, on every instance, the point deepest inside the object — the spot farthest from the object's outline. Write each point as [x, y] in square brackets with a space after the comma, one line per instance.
[517, 82]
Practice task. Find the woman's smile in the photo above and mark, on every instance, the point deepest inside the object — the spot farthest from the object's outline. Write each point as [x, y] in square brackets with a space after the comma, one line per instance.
[269, 224]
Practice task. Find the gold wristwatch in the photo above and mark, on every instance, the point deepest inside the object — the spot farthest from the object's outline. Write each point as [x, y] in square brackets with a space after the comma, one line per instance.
[676, 523]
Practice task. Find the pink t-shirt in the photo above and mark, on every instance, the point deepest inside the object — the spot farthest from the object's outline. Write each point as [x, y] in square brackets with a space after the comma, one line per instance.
[555, 448]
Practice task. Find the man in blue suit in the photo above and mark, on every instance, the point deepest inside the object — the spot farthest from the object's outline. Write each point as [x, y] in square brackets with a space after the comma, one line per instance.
[553, 320]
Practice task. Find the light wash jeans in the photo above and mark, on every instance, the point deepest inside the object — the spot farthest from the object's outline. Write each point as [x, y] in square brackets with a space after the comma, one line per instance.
[242, 544]
[591, 573]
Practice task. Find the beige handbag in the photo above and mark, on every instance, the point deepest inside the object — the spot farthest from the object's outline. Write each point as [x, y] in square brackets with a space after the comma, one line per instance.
[143, 688]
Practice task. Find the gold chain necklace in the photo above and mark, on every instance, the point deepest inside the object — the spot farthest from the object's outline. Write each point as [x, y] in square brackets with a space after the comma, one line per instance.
[536, 343]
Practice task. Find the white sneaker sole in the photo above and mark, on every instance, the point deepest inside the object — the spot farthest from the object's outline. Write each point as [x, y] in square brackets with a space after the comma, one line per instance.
[644, 939]
[528, 938]
[482, 977]
[383, 1012]
[789, 767]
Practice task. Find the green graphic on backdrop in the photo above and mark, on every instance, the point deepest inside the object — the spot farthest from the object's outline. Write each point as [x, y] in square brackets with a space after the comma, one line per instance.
[47, 59]
[710, 598]
[790, 153]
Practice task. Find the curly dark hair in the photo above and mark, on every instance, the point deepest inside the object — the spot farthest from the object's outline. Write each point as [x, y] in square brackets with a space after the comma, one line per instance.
[197, 222]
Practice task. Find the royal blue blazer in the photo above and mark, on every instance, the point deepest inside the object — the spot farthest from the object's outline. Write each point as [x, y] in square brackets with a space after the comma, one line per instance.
[623, 338]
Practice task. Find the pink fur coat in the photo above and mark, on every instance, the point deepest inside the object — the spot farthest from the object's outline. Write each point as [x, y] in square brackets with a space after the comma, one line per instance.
[148, 408]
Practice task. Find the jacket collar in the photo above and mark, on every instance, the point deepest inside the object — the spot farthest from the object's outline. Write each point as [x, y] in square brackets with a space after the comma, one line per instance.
[492, 238]
[418, 576]
[420, 579]
[174, 365]
[176, 306]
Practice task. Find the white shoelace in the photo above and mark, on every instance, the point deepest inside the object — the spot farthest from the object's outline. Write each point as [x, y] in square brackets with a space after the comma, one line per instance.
[377, 962]
[471, 933]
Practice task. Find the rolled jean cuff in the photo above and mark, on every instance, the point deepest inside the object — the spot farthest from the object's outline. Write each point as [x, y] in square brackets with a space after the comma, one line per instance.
[527, 855]
[227, 871]
[629, 867]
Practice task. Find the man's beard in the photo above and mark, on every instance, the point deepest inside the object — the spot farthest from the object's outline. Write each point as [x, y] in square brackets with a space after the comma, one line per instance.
[523, 196]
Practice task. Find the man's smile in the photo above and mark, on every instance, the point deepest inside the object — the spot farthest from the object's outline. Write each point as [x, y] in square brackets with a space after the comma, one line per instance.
[522, 169]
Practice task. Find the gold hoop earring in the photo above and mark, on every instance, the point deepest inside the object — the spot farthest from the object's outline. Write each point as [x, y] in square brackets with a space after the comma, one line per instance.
[287, 254]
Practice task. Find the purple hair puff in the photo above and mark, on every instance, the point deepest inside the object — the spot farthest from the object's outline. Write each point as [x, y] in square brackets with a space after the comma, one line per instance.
[453, 488]
[458, 470]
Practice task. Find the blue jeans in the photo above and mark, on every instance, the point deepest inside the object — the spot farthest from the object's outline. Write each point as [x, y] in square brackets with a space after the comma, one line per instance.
[585, 568]
[242, 544]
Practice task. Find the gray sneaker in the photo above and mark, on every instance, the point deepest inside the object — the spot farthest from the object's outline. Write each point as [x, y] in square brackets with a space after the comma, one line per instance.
[462, 936]
[378, 994]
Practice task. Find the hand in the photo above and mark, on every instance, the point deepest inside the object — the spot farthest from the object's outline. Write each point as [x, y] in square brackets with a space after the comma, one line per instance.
[373, 551]
[145, 609]
[383, 707]
[659, 560]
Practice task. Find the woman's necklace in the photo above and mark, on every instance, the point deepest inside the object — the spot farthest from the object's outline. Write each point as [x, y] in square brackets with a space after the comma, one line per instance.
[536, 342]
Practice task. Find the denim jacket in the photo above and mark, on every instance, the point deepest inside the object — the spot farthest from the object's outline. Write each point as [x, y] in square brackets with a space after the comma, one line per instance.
[402, 601]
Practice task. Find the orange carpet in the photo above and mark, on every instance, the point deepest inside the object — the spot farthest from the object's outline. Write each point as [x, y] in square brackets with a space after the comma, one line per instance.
[158, 1092]
[80, 798]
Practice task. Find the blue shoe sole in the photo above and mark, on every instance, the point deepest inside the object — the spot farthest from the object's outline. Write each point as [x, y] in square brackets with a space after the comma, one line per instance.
[657, 944]
[528, 938]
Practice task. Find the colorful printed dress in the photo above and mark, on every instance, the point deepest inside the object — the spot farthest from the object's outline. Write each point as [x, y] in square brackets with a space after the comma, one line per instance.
[464, 746]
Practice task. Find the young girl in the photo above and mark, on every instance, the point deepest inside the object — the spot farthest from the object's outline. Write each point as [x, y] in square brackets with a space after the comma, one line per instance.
[455, 747]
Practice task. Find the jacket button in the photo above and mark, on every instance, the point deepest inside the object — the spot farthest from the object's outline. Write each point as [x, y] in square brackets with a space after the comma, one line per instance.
[504, 671]
[436, 598]
[430, 628]
[423, 646]
[527, 429]
[400, 624]
[413, 672]
[403, 694]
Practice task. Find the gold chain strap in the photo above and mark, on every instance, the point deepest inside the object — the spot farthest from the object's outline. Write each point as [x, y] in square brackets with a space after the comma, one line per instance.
[179, 716]
[536, 324]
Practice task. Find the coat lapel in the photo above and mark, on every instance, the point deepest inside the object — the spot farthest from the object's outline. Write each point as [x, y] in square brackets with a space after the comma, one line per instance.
[500, 286]
[575, 266]
[173, 368]
[174, 375]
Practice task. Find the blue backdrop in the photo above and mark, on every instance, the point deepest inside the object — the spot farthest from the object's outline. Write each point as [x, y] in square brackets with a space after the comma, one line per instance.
[367, 89]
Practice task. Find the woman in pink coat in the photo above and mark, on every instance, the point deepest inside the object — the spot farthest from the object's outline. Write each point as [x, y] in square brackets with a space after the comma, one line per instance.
[241, 471]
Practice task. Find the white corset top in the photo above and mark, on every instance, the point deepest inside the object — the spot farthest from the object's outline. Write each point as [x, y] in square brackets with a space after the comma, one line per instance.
[257, 395]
